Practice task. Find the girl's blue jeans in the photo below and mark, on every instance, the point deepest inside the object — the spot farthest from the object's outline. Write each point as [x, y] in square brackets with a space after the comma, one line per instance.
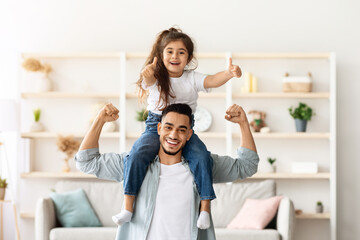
[147, 147]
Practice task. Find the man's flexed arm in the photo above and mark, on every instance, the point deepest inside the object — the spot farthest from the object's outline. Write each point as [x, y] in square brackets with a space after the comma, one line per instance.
[236, 114]
[108, 113]
[228, 169]
[108, 166]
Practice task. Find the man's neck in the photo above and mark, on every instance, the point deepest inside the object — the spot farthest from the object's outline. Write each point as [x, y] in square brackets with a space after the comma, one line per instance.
[169, 159]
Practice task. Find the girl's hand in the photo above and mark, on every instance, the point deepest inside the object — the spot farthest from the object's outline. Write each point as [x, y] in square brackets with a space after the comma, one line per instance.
[148, 73]
[234, 70]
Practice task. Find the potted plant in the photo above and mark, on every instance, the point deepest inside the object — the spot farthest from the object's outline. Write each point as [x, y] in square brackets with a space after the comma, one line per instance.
[3, 186]
[272, 163]
[319, 207]
[40, 77]
[69, 146]
[141, 116]
[301, 114]
[37, 125]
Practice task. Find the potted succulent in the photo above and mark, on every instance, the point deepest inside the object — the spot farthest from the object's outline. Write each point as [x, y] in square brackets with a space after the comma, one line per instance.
[272, 163]
[37, 125]
[319, 207]
[3, 186]
[301, 114]
[141, 116]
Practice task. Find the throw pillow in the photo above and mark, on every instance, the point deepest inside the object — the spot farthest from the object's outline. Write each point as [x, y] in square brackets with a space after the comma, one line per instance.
[74, 210]
[255, 213]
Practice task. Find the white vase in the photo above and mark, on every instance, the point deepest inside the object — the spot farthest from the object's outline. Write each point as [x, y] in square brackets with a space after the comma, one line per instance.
[37, 127]
[44, 83]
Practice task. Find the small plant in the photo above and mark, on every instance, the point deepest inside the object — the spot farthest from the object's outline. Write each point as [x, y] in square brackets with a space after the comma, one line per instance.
[142, 115]
[271, 161]
[37, 113]
[303, 112]
[3, 183]
[319, 203]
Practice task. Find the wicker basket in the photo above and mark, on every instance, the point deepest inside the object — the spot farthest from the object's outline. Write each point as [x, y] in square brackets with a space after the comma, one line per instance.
[296, 87]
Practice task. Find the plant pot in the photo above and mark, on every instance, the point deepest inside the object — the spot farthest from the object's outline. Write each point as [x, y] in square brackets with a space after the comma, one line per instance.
[37, 127]
[44, 84]
[2, 193]
[300, 125]
[109, 127]
[319, 208]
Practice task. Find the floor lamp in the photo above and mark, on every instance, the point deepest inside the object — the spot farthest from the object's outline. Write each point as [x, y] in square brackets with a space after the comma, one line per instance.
[8, 123]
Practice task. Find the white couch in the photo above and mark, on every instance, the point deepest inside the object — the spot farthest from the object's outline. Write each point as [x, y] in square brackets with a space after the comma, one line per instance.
[106, 199]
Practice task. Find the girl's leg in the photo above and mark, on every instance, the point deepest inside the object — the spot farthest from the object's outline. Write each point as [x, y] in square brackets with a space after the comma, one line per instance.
[200, 163]
[136, 162]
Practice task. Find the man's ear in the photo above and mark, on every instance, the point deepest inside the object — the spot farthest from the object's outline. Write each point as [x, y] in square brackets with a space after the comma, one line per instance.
[159, 127]
[190, 134]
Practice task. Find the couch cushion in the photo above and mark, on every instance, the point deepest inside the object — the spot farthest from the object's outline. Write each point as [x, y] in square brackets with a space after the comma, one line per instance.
[237, 234]
[104, 233]
[256, 213]
[74, 210]
[231, 197]
[105, 197]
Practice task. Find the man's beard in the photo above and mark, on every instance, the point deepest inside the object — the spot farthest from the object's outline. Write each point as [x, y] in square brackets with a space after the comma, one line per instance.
[171, 153]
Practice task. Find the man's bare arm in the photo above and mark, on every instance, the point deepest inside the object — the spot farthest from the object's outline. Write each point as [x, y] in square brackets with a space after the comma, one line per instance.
[108, 113]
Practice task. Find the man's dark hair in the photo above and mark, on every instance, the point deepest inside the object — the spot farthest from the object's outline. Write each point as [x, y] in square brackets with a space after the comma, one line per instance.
[180, 108]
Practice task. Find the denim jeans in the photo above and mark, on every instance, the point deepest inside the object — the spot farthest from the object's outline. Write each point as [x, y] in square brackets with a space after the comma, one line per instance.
[147, 147]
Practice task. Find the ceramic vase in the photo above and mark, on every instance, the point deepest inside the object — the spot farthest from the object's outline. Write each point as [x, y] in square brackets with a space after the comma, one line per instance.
[319, 208]
[2, 193]
[37, 127]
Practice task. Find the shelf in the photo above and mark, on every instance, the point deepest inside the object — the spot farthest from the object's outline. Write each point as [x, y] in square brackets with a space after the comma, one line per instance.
[69, 95]
[27, 215]
[291, 176]
[215, 95]
[317, 95]
[55, 175]
[294, 135]
[324, 216]
[76, 135]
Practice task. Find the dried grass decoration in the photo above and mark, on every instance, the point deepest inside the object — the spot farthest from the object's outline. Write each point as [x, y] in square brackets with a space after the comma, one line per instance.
[69, 146]
[34, 65]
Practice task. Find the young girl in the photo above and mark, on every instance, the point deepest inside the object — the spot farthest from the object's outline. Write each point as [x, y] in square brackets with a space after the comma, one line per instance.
[168, 79]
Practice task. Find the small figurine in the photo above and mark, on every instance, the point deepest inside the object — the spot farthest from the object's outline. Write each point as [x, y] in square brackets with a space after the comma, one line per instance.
[258, 122]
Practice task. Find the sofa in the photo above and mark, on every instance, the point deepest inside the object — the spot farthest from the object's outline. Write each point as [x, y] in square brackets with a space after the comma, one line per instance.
[106, 199]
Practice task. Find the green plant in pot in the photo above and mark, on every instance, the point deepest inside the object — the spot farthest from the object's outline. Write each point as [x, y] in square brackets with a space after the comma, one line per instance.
[301, 114]
[319, 207]
[37, 125]
[141, 116]
[3, 186]
[272, 163]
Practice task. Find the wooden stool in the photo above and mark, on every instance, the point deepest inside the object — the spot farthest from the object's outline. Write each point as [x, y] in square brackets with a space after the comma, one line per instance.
[2, 219]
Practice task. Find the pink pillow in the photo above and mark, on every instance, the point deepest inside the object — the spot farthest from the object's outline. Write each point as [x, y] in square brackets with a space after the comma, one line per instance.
[256, 213]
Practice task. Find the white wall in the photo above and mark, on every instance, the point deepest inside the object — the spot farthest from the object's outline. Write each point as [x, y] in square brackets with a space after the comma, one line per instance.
[236, 25]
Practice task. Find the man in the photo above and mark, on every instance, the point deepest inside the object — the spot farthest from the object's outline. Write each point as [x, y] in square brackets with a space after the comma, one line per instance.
[167, 205]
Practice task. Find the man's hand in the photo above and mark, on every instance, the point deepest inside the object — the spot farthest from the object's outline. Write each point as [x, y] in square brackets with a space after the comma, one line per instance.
[148, 72]
[108, 113]
[236, 114]
[234, 70]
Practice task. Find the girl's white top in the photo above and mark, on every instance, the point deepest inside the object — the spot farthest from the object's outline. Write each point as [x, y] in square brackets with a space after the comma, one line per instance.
[185, 89]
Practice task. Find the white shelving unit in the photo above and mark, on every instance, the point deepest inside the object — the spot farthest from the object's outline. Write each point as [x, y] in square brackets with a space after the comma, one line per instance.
[228, 96]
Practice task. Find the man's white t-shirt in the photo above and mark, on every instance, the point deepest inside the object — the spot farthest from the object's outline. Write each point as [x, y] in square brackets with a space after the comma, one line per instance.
[172, 214]
[185, 89]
